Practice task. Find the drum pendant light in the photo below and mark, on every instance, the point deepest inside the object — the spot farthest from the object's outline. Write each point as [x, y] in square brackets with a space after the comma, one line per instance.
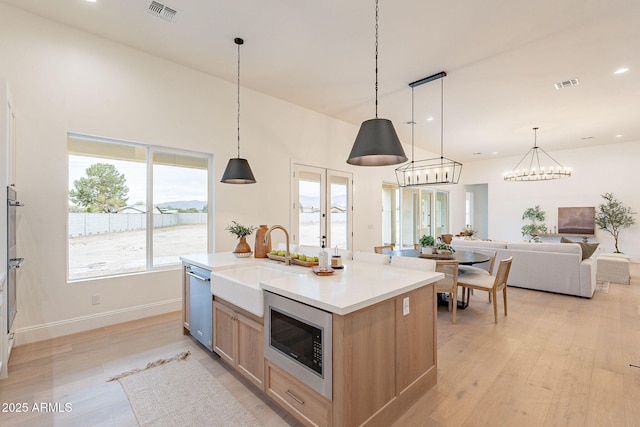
[238, 170]
[377, 143]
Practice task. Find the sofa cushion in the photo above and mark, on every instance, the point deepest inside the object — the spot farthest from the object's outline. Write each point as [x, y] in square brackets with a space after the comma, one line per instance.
[545, 247]
[587, 248]
[477, 243]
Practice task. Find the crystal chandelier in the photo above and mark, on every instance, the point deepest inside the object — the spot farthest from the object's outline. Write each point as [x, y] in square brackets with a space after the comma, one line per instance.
[532, 168]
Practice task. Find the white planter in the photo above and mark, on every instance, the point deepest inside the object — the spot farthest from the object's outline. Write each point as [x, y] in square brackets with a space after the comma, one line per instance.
[427, 250]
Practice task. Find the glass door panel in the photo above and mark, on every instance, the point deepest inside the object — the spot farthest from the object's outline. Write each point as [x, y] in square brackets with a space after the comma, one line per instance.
[442, 213]
[425, 214]
[338, 211]
[310, 207]
[410, 216]
[390, 214]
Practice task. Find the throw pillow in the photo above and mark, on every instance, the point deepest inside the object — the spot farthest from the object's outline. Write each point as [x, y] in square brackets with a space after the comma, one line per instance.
[587, 248]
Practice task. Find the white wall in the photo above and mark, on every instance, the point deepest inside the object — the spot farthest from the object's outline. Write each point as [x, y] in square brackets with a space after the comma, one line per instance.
[67, 80]
[596, 170]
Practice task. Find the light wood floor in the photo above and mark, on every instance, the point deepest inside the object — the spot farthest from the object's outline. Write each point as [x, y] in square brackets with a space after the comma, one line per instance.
[553, 361]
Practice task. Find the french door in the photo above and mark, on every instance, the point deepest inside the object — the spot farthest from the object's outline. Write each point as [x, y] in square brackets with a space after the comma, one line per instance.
[410, 212]
[322, 207]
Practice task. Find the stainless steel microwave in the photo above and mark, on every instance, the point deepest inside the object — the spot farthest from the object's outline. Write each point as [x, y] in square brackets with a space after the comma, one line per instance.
[298, 338]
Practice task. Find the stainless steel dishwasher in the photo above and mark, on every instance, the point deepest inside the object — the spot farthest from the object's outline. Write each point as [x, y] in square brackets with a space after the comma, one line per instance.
[200, 305]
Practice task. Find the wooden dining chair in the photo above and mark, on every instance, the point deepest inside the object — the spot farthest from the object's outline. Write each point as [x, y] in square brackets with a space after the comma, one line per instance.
[383, 249]
[413, 263]
[449, 285]
[447, 238]
[486, 269]
[483, 282]
[371, 257]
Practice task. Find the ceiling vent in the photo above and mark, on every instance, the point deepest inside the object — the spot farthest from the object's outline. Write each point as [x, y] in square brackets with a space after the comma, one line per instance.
[566, 83]
[162, 11]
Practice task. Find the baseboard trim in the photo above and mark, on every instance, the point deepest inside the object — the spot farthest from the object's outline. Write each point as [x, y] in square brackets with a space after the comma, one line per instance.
[74, 325]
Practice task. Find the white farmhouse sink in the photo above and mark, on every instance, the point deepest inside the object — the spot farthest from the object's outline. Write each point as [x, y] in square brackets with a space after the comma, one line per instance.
[241, 285]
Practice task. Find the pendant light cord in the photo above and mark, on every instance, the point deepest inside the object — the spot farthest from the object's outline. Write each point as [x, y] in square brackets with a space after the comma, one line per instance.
[441, 118]
[413, 124]
[238, 97]
[377, 18]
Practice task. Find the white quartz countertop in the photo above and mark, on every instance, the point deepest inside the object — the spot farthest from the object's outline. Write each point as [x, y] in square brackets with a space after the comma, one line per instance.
[357, 286]
[217, 261]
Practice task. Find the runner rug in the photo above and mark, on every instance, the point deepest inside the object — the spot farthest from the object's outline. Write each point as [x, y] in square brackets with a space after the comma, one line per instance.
[181, 392]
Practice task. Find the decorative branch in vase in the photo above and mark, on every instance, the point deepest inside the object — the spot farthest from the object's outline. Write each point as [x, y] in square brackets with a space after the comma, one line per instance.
[241, 232]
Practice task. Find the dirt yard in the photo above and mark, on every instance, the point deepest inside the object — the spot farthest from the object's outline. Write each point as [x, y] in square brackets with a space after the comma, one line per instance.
[116, 253]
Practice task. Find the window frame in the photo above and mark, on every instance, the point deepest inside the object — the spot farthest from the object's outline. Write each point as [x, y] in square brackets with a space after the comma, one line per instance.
[150, 149]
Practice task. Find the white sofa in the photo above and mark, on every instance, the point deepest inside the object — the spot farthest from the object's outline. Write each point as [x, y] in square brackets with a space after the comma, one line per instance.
[551, 267]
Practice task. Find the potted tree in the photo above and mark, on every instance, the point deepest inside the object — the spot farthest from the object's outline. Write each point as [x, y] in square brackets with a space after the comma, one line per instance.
[535, 228]
[427, 243]
[613, 216]
[241, 232]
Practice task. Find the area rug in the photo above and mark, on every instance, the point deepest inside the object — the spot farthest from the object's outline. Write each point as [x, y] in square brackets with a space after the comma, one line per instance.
[602, 287]
[180, 392]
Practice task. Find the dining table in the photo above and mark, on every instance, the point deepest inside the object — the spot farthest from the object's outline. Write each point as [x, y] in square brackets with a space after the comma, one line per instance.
[463, 258]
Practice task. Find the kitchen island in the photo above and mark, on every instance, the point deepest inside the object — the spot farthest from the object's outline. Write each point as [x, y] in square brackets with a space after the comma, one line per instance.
[383, 337]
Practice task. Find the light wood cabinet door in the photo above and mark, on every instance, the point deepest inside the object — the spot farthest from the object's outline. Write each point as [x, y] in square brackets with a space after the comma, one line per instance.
[224, 332]
[250, 357]
[238, 340]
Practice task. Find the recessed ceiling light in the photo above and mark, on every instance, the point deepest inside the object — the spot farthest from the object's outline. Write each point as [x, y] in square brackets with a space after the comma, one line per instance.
[91, 1]
[619, 135]
[621, 70]
[430, 119]
[494, 152]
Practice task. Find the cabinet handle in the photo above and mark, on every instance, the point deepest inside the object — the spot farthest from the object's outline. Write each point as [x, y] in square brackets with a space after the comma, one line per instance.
[294, 397]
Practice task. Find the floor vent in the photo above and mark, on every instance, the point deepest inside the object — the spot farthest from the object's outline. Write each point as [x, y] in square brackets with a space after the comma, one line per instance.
[566, 83]
[162, 11]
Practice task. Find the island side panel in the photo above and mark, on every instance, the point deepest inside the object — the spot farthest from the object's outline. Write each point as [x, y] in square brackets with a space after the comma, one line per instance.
[383, 360]
[416, 337]
[363, 362]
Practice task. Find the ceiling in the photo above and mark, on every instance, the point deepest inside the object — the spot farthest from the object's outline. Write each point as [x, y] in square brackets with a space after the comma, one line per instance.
[502, 58]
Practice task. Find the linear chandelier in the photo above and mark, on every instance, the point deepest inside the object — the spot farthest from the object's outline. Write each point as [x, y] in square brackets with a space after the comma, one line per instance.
[533, 170]
[436, 171]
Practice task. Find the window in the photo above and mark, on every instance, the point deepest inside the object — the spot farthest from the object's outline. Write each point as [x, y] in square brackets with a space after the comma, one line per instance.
[322, 207]
[407, 214]
[111, 230]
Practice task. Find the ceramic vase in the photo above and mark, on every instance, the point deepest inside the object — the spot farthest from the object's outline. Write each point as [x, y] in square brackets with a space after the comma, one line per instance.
[242, 247]
[261, 249]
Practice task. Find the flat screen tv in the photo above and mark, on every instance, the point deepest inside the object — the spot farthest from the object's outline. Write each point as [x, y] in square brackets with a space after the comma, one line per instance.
[580, 221]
